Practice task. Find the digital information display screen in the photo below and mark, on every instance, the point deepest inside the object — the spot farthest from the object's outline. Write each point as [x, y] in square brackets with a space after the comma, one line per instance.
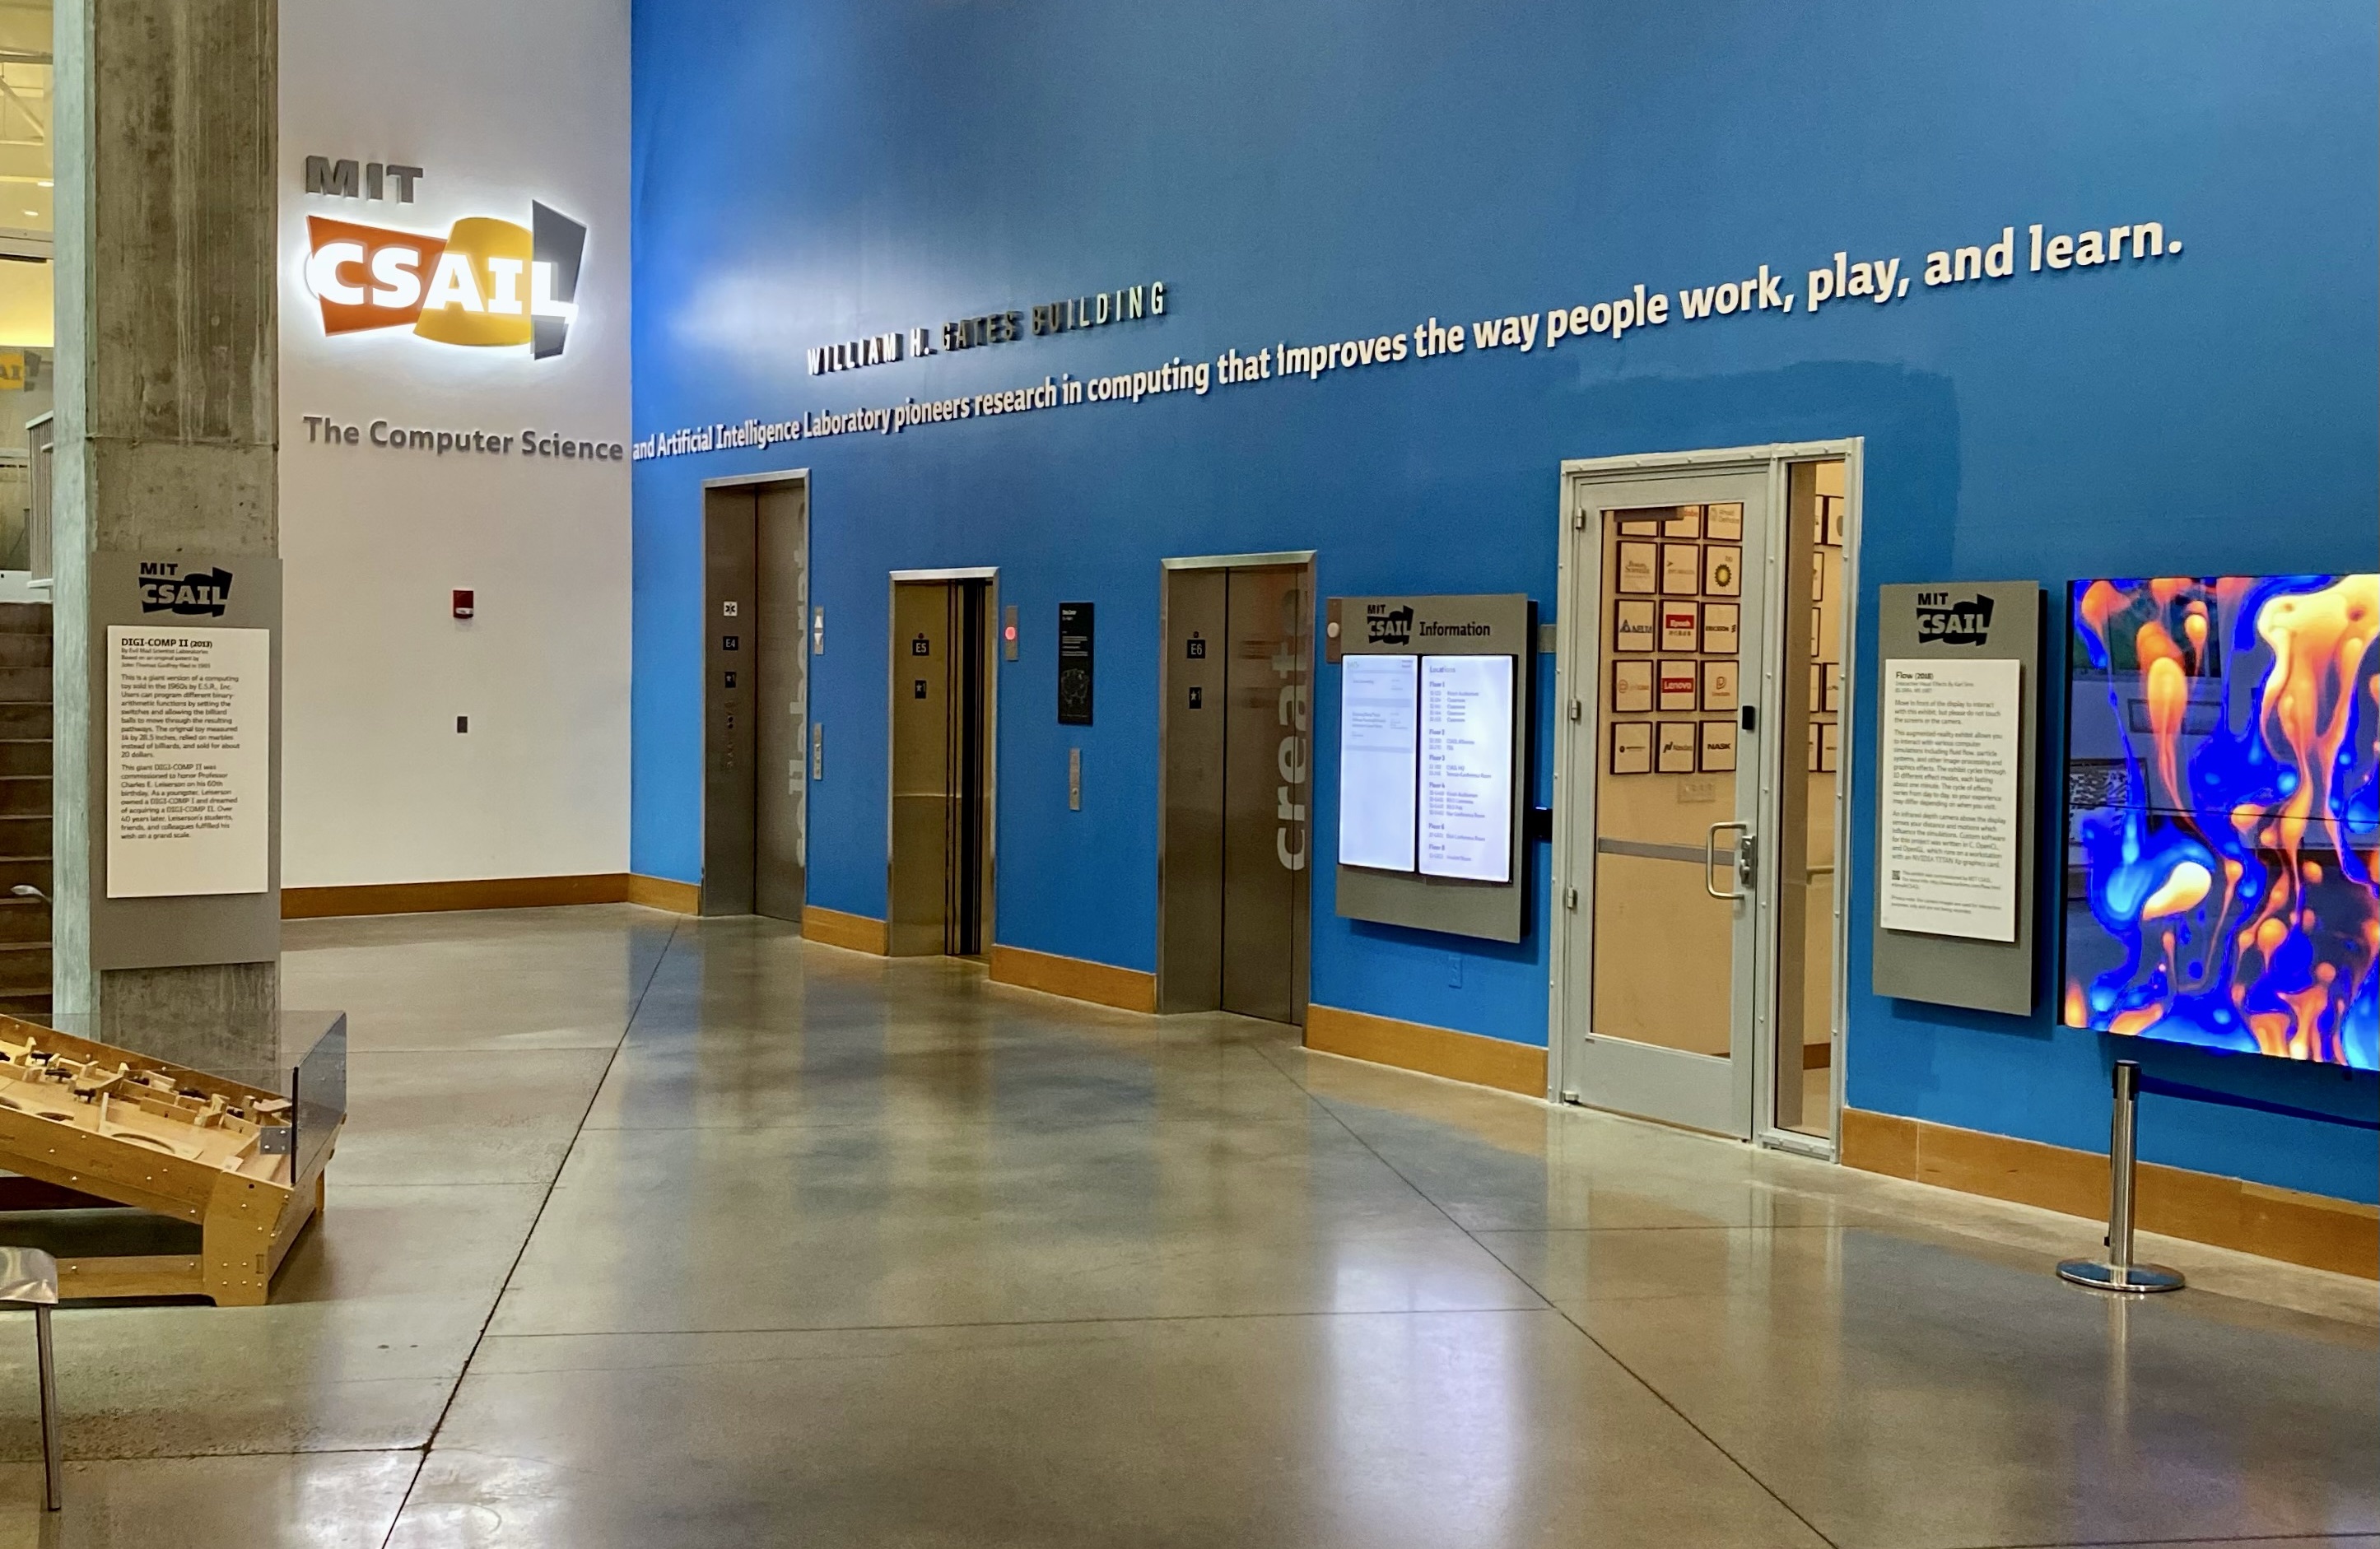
[1379, 761]
[1466, 767]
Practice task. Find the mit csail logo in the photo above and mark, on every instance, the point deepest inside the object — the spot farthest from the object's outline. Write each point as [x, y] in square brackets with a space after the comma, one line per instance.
[486, 282]
[198, 593]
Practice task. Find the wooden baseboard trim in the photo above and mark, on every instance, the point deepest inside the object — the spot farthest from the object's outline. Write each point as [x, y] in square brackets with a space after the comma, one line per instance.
[1102, 984]
[832, 927]
[2310, 1229]
[661, 892]
[424, 898]
[1437, 1051]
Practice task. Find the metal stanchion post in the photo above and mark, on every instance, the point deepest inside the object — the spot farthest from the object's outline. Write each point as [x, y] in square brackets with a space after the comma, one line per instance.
[28, 1277]
[2118, 1272]
[52, 1498]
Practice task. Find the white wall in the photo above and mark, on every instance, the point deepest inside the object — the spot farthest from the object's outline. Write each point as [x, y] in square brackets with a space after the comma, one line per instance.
[500, 106]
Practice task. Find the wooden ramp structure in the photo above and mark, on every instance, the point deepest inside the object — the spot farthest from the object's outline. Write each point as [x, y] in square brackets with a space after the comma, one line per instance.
[87, 1124]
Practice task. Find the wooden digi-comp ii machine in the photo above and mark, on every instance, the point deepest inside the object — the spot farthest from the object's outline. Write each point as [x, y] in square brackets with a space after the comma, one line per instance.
[110, 1127]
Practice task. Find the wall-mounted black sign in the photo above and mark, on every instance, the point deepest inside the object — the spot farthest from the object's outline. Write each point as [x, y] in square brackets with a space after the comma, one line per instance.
[1074, 664]
[921, 647]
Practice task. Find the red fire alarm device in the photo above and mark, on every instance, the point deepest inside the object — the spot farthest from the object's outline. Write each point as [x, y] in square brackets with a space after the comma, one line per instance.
[462, 605]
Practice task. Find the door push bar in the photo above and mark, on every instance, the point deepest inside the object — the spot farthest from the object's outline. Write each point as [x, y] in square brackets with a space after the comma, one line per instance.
[1745, 851]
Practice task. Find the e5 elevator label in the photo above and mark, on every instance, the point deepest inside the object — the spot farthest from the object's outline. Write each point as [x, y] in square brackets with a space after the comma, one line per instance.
[1075, 663]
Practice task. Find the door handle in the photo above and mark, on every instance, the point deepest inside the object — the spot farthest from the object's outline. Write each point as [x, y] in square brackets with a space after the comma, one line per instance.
[1710, 857]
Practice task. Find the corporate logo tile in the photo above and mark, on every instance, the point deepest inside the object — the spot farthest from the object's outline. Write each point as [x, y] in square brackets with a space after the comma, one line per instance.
[485, 282]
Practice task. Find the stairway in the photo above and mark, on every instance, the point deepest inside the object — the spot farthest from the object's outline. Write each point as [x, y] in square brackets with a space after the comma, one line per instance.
[24, 805]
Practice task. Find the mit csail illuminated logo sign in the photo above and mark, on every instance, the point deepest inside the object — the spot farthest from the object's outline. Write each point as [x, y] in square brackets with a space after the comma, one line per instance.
[486, 282]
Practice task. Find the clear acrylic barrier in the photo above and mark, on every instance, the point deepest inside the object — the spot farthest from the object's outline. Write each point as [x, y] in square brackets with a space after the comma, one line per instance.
[303, 1058]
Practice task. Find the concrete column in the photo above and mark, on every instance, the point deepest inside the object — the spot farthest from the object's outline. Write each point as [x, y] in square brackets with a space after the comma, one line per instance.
[165, 136]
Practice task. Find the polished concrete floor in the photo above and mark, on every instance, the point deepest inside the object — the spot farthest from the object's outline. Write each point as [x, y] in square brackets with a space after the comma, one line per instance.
[659, 1232]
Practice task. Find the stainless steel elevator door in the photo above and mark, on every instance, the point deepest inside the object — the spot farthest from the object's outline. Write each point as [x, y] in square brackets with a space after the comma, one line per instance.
[1265, 780]
[781, 705]
[1232, 875]
[968, 882]
[730, 750]
[918, 875]
[1190, 862]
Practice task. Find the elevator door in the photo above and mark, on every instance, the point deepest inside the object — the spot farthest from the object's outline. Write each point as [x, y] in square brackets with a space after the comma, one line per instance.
[780, 713]
[938, 880]
[1233, 876]
[756, 591]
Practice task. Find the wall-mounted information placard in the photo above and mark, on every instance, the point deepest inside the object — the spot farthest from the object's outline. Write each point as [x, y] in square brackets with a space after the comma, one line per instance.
[1380, 766]
[1074, 662]
[1957, 738]
[1466, 767]
[181, 781]
[189, 761]
[1432, 734]
[1946, 855]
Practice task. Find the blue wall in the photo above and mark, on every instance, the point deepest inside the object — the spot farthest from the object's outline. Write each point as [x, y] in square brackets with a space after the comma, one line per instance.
[1318, 171]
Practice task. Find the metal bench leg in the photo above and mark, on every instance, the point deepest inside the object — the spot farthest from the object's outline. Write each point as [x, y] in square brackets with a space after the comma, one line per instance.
[50, 1498]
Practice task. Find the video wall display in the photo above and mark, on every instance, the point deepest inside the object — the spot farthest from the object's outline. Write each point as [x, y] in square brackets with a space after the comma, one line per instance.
[2223, 814]
[1426, 769]
[1673, 596]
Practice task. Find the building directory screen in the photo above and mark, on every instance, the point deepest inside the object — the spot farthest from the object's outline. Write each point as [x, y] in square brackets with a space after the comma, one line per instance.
[1426, 765]
[1378, 759]
[1466, 767]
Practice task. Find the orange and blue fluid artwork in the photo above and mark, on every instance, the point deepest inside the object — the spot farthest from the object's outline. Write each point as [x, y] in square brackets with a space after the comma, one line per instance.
[2223, 814]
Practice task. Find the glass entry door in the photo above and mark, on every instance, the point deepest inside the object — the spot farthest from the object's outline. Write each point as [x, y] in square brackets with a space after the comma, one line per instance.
[1662, 917]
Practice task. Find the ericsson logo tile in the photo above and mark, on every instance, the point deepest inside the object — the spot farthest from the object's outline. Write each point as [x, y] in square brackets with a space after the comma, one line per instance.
[485, 282]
